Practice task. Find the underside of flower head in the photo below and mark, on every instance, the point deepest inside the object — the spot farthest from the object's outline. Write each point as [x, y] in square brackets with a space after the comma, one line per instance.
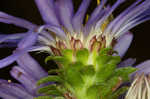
[86, 75]
[140, 88]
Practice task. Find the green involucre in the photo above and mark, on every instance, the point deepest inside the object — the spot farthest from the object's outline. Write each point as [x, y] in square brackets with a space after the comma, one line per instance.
[88, 75]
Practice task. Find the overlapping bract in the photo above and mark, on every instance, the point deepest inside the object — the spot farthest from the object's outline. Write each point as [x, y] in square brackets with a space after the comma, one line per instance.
[92, 75]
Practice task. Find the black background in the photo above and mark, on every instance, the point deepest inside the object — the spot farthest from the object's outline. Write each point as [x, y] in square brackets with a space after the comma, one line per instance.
[139, 49]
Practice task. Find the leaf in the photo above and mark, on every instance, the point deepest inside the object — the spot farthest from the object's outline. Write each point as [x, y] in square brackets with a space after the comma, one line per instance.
[93, 92]
[105, 51]
[68, 54]
[47, 88]
[114, 60]
[106, 66]
[62, 60]
[116, 94]
[55, 71]
[49, 79]
[87, 72]
[48, 58]
[82, 56]
[104, 90]
[73, 77]
[59, 98]
[114, 83]
[53, 92]
[101, 62]
[105, 73]
[124, 72]
[43, 97]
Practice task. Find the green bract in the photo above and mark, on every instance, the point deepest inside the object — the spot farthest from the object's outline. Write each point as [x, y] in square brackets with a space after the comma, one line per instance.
[86, 75]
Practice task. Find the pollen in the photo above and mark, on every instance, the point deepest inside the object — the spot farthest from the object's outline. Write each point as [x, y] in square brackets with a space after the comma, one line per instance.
[98, 2]
[9, 81]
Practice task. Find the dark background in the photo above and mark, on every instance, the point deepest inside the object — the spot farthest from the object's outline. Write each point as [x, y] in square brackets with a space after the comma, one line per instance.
[26, 9]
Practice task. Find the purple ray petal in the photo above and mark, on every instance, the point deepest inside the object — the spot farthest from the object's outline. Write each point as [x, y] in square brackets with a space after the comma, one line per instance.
[47, 11]
[93, 21]
[10, 59]
[31, 66]
[9, 45]
[132, 24]
[65, 9]
[28, 41]
[143, 67]
[57, 30]
[43, 40]
[40, 48]
[8, 38]
[100, 22]
[5, 18]
[124, 13]
[123, 44]
[127, 62]
[97, 11]
[23, 77]
[78, 18]
[127, 21]
[6, 95]
[13, 91]
[42, 32]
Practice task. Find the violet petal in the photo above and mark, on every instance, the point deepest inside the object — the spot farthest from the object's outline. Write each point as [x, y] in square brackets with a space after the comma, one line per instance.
[123, 44]
[31, 66]
[78, 18]
[47, 11]
[143, 67]
[5, 18]
[28, 41]
[57, 30]
[10, 59]
[127, 62]
[13, 90]
[23, 77]
[65, 9]
[5, 38]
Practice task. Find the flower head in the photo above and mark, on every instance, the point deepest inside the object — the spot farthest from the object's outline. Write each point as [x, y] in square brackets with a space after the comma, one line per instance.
[83, 49]
[65, 28]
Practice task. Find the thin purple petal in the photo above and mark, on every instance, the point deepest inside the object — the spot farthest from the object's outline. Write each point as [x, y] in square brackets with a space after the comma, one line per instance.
[97, 12]
[28, 41]
[127, 62]
[65, 9]
[47, 11]
[100, 22]
[123, 44]
[57, 30]
[10, 59]
[23, 77]
[31, 66]
[143, 67]
[13, 91]
[11, 37]
[5, 18]
[78, 18]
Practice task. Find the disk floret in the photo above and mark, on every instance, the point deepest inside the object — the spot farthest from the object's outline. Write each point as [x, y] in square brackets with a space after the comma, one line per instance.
[75, 42]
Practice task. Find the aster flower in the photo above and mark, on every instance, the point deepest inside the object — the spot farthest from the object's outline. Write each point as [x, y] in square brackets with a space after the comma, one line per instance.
[27, 72]
[82, 51]
[65, 29]
[140, 88]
